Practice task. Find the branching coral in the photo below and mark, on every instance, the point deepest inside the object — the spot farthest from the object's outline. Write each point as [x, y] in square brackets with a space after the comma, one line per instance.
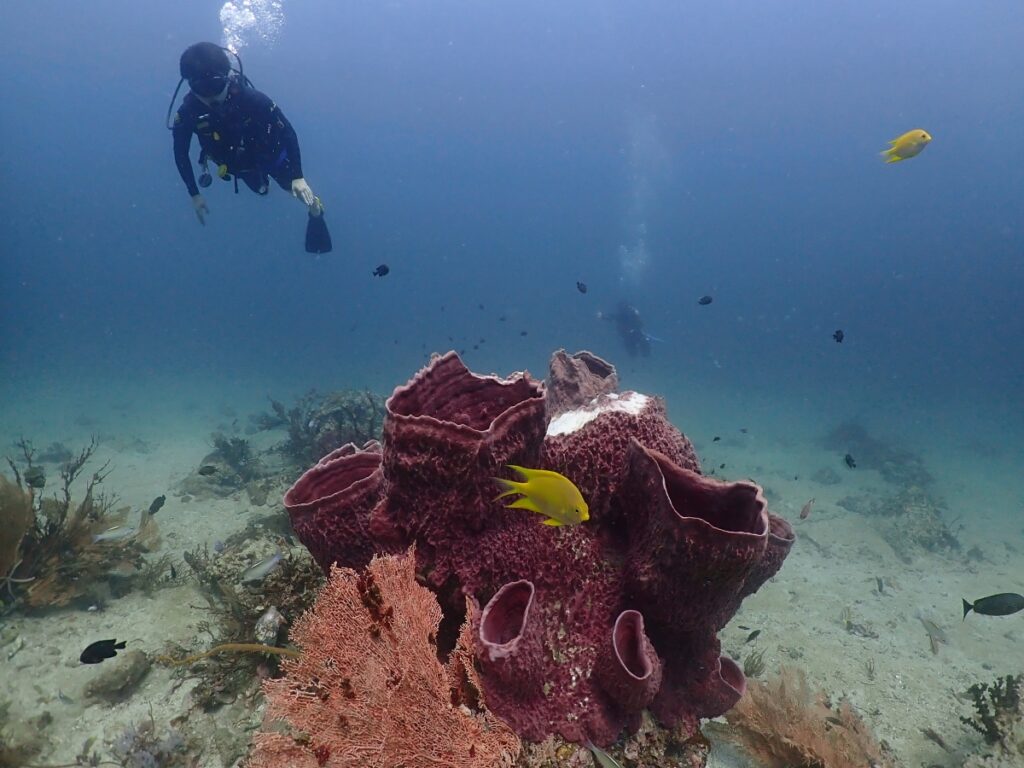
[235, 611]
[369, 690]
[68, 547]
[17, 518]
[782, 723]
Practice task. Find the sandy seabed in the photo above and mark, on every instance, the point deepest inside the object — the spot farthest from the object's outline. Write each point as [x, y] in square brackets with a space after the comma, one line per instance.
[893, 679]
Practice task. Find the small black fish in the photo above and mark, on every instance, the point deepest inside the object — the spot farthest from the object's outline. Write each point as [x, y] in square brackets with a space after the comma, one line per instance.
[721, 466]
[174, 573]
[522, 333]
[479, 306]
[704, 300]
[157, 504]
[715, 439]
[581, 286]
[1002, 604]
[850, 461]
[207, 469]
[839, 336]
[100, 650]
[743, 430]
[381, 270]
[752, 636]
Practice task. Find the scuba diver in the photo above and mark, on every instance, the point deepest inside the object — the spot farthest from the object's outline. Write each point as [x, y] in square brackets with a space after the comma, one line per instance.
[242, 132]
[631, 329]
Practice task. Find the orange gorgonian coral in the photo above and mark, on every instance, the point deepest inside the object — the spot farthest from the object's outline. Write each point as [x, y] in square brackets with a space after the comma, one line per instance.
[782, 722]
[368, 689]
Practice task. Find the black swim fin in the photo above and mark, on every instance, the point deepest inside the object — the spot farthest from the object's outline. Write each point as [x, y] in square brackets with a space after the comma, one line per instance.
[318, 239]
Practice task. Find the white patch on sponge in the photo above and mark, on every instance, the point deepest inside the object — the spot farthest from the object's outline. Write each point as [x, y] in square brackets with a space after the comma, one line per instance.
[632, 403]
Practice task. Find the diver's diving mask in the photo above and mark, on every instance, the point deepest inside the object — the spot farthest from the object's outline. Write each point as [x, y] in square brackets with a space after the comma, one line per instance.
[209, 86]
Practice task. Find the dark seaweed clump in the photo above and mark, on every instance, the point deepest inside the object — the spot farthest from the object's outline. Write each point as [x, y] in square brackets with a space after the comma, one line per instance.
[319, 423]
[896, 465]
[997, 710]
[56, 453]
[237, 454]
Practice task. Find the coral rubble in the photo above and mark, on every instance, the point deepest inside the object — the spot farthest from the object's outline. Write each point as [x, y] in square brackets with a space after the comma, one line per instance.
[911, 519]
[576, 630]
[142, 746]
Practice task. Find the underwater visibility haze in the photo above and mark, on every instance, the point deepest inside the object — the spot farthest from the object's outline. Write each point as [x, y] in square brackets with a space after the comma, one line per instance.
[799, 224]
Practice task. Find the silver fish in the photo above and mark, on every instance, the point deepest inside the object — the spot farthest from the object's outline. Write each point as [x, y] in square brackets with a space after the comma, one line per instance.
[16, 646]
[117, 533]
[262, 569]
[601, 757]
[806, 511]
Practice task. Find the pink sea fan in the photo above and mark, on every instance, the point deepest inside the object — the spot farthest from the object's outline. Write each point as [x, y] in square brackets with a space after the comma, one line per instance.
[368, 689]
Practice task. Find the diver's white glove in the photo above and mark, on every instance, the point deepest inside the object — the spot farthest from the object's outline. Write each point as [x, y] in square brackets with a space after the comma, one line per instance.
[201, 210]
[301, 190]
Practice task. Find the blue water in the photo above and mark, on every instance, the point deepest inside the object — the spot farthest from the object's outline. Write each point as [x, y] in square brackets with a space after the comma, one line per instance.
[496, 154]
[493, 155]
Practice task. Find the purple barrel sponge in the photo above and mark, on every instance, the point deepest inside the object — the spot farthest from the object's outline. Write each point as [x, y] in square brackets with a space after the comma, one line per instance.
[578, 628]
[628, 668]
[510, 639]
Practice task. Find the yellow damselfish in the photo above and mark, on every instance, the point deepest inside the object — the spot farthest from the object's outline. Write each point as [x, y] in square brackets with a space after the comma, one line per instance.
[909, 144]
[546, 493]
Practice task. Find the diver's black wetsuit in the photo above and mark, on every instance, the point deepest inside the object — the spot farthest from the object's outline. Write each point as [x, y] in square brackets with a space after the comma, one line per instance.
[631, 329]
[247, 132]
